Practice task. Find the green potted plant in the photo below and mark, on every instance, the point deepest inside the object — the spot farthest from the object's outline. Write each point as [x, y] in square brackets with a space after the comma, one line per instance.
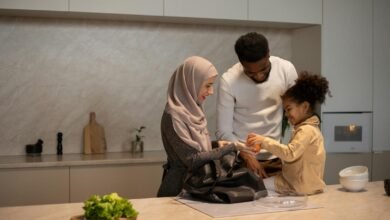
[137, 145]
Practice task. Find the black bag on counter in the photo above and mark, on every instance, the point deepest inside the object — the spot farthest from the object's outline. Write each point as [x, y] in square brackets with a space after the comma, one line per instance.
[225, 181]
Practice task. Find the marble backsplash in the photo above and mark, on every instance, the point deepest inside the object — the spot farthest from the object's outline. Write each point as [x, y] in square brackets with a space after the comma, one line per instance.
[53, 72]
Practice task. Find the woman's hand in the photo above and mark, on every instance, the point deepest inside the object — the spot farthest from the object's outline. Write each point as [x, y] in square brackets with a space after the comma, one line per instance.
[254, 139]
[223, 143]
[252, 163]
[241, 147]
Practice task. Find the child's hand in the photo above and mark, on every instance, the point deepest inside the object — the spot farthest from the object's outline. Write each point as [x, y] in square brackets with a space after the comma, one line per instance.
[255, 148]
[253, 139]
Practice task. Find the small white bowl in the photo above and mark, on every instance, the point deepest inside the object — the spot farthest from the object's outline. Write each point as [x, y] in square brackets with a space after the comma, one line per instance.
[353, 185]
[354, 172]
[354, 178]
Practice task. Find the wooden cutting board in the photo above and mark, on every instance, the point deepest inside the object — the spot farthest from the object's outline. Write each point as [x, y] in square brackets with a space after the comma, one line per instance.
[94, 137]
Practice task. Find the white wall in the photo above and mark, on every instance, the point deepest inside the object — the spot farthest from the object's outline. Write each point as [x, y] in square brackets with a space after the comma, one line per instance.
[53, 72]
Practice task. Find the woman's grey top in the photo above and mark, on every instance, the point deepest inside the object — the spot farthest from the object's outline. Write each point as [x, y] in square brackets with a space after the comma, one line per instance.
[182, 158]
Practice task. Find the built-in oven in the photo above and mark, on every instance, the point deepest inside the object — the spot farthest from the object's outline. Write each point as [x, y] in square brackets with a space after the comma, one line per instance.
[347, 131]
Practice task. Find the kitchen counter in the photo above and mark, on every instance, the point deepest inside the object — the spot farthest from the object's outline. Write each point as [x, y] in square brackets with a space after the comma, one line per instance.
[336, 203]
[67, 160]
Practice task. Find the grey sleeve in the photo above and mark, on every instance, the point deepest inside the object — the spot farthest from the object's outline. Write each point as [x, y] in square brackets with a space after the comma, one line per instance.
[189, 156]
[196, 159]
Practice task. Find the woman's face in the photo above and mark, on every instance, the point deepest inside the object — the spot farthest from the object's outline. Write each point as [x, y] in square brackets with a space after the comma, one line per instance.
[206, 89]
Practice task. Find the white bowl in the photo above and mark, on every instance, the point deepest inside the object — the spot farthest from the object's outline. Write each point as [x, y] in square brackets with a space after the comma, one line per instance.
[354, 172]
[353, 185]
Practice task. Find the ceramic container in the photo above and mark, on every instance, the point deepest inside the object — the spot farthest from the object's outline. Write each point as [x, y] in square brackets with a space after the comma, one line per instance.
[354, 178]
[353, 185]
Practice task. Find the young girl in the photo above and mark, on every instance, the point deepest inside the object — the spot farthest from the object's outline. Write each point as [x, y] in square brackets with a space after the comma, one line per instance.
[304, 156]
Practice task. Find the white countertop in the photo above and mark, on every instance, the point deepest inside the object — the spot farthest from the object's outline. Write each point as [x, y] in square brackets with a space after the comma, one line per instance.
[81, 159]
[336, 204]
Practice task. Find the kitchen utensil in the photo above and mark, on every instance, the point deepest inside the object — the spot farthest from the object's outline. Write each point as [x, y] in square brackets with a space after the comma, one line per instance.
[94, 138]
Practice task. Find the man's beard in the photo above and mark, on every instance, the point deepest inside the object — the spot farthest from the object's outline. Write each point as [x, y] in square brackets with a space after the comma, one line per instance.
[264, 80]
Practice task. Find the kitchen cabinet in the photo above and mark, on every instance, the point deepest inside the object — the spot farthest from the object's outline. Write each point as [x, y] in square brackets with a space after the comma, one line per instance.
[290, 11]
[47, 185]
[133, 7]
[216, 9]
[380, 166]
[42, 5]
[335, 162]
[381, 118]
[286, 12]
[129, 181]
[31, 186]
[347, 54]
[306, 49]
[75, 177]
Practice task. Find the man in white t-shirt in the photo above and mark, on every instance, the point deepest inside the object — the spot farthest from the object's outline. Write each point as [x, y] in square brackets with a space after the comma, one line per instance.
[249, 95]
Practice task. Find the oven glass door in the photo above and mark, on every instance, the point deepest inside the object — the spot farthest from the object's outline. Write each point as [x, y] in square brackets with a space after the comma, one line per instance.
[347, 132]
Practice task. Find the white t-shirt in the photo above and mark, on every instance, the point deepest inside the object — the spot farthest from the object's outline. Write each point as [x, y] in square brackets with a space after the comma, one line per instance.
[245, 106]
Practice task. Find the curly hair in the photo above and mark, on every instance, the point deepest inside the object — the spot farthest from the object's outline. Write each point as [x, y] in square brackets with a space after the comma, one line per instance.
[308, 87]
[251, 47]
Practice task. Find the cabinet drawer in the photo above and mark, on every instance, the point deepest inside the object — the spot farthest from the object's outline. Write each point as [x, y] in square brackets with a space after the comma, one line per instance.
[291, 11]
[216, 9]
[43, 5]
[32, 186]
[133, 7]
[129, 181]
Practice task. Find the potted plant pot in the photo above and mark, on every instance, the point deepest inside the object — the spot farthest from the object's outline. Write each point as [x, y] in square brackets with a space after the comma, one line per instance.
[137, 146]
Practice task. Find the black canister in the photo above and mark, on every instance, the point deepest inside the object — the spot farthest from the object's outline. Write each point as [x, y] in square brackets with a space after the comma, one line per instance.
[34, 149]
[387, 186]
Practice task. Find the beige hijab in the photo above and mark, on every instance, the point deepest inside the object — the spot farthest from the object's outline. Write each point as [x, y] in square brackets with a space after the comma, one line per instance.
[188, 118]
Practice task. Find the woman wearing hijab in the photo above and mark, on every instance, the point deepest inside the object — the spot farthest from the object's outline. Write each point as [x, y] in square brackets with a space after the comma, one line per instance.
[184, 126]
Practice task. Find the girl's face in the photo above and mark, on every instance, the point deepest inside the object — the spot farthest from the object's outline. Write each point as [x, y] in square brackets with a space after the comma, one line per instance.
[295, 112]
[206, 89]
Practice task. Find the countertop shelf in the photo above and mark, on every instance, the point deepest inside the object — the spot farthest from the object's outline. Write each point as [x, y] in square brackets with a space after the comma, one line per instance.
[23, 161]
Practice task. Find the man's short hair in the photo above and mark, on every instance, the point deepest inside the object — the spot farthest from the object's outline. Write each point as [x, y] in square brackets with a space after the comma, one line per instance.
[251, 47]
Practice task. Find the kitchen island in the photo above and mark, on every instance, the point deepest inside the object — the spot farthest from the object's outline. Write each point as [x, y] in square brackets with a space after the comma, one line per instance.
[336, 203]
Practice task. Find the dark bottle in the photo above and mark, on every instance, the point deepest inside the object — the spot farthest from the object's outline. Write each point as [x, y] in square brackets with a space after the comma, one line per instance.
[59, 143]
